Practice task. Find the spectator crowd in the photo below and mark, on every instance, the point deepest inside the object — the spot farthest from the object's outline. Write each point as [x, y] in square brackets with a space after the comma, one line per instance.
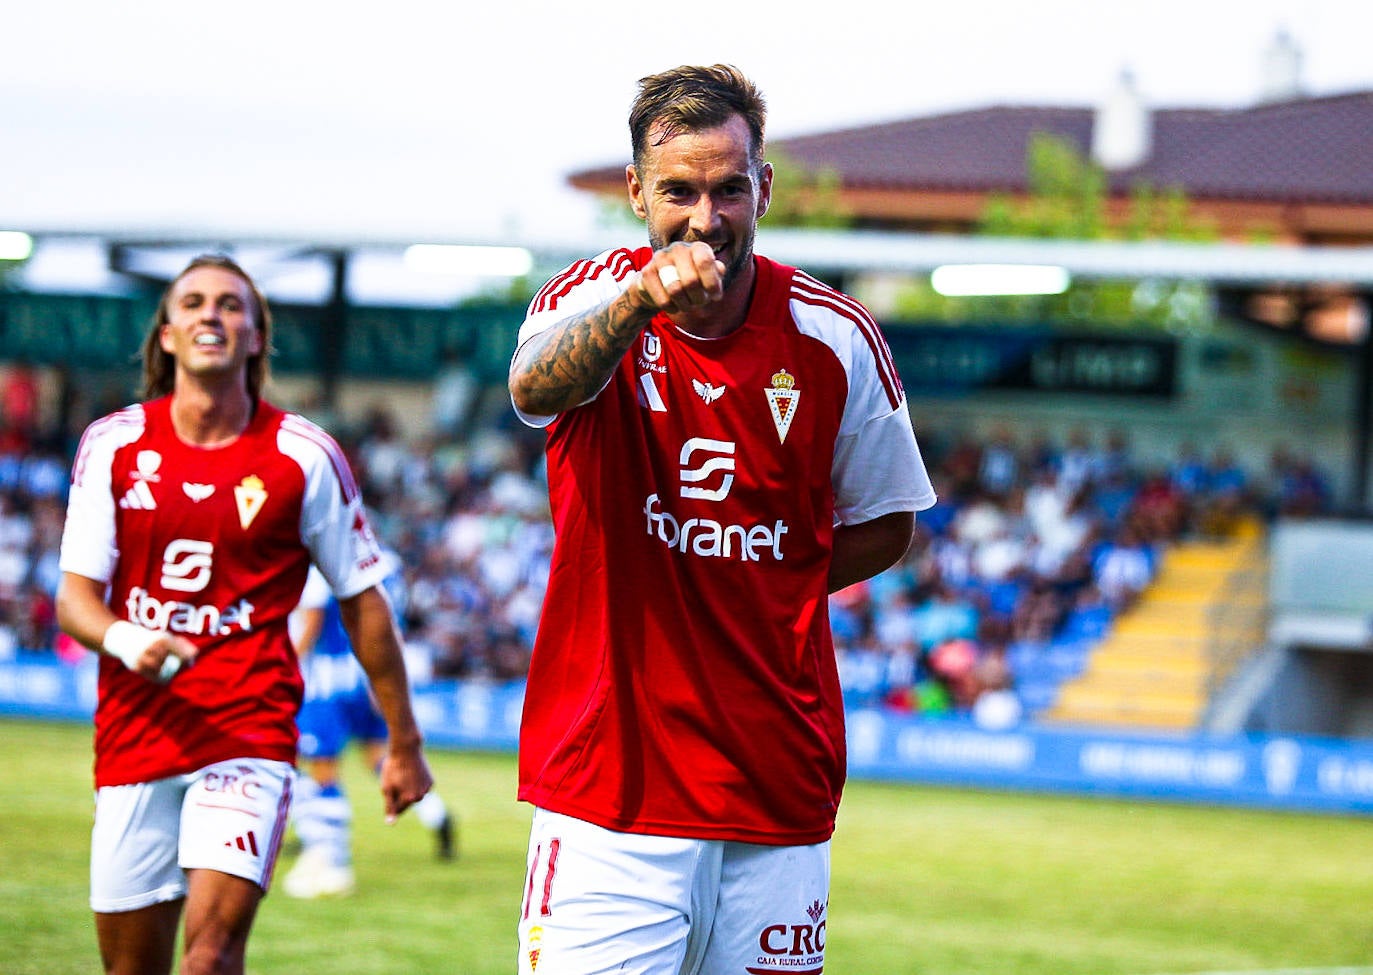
[1032, 544]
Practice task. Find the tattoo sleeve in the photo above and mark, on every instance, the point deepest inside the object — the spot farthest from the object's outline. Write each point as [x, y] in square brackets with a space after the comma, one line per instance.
[567, 364]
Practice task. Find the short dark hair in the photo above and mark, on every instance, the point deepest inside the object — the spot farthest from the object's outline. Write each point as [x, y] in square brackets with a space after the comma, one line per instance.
[159, 368]
[692, 97]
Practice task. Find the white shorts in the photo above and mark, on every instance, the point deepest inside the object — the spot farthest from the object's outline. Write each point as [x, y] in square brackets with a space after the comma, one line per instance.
[596, 900]
[229, 817]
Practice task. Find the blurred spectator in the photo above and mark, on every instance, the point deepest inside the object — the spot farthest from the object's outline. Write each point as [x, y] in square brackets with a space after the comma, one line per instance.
[18, 408]
[1160, 510]
[1123, 568]
[1039, 613]
[1061, 524]
[980, 518]
[1078, 463]
[1302, 491]
[954, 662]
[944, 615]
[382, 454]
[1189, 471]
[999, 466]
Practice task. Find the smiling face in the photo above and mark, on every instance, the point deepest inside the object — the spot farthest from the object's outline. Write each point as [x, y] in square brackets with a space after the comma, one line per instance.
[703, 185]
[210, 329]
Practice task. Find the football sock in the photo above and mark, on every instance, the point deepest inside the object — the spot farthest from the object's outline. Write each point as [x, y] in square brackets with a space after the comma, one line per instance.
[324, 820]
[431, 810]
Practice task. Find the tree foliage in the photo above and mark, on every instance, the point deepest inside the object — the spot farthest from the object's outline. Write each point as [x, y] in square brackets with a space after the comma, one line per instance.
[1069, 197]
[804, 197]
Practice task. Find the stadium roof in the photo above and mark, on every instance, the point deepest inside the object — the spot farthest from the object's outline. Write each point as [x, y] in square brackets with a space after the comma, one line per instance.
[1311, 152]
[1301, 150]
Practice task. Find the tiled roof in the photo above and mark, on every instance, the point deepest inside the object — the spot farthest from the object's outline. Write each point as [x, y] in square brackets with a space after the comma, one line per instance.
[1308, 150]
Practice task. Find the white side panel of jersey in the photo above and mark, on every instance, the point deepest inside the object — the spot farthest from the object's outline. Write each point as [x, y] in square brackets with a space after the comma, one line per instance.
[846, 327]
[879, 470]
[88, 542]
[316, 594]
[349, 559]
[877, 466]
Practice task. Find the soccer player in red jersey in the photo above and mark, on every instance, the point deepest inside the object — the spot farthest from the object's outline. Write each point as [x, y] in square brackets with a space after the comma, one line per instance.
[193, 520]
[727, 442]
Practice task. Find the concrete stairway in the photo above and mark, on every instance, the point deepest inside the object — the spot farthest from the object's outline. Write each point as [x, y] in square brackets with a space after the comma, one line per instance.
[1161, 660]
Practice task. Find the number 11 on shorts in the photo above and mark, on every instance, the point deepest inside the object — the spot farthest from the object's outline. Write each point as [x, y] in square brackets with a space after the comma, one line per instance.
[547, 890]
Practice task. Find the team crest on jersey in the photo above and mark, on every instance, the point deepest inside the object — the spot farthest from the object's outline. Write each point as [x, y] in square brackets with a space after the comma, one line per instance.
[782, 399]
[250, 495]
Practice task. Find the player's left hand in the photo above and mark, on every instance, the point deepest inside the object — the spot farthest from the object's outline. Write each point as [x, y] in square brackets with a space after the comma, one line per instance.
[405, 778]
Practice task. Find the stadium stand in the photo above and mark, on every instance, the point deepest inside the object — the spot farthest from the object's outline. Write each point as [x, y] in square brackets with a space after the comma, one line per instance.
[1055, 580]
[1161, 658]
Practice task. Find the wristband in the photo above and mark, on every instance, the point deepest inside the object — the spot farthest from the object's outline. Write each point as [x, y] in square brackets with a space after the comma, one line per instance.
[126, 642]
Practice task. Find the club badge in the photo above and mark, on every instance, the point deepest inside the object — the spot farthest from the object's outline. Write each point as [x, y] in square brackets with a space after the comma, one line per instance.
[782, 398]
[534, 947]
[250, 496]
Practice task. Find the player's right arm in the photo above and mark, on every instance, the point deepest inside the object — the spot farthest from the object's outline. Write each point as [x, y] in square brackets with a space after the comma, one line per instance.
[375, 638]
[83, 615]
[569, 362]
[90, 552]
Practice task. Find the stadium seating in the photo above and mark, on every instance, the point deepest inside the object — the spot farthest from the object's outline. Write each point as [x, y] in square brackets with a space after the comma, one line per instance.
[1163, 656]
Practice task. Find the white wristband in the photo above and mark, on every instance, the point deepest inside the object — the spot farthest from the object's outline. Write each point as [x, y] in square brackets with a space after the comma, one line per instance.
[127, 641]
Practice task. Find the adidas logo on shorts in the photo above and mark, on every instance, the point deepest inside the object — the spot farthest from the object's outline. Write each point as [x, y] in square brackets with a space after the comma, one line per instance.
[247, 842]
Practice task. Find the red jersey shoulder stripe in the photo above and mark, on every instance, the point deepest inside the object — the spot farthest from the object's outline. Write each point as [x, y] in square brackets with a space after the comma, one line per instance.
[297, 425]
[131, 417]
[808, 290]
[619, 263]
[559, 285]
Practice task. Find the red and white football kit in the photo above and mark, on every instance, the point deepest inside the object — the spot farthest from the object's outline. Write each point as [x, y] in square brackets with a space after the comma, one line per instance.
[213, 544]
[683, 681]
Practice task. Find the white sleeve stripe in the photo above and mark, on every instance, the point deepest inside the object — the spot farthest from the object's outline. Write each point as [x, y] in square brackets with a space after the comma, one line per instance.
[343, 473]
[130, 417]
[886, 368]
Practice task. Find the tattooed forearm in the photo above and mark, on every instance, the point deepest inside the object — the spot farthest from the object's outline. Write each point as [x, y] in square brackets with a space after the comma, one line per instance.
[567, 364]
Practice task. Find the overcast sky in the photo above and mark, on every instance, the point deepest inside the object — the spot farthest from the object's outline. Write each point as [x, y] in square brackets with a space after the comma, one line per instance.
[459, 121]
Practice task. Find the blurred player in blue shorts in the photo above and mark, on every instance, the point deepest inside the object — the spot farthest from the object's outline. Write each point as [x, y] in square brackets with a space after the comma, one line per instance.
[339, 708]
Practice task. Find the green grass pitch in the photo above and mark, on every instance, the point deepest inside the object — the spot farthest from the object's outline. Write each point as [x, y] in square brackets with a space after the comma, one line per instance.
[931, 881]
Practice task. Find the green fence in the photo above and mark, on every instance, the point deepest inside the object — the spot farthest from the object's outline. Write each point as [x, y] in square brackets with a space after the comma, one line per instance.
[86, 332]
